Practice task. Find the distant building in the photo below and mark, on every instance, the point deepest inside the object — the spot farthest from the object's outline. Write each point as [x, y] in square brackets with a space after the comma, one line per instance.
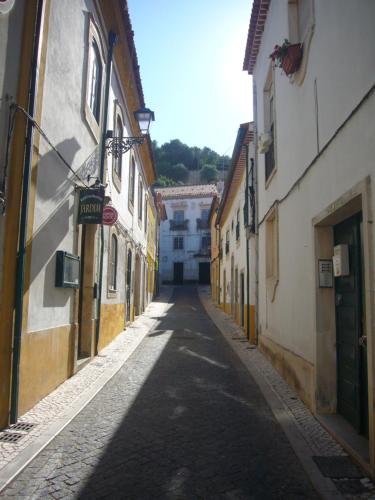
[233, 275]
[185, 238]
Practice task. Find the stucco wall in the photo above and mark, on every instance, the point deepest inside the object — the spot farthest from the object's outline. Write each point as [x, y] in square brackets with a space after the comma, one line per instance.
[343, 73]
[54, 218]
[10, 45]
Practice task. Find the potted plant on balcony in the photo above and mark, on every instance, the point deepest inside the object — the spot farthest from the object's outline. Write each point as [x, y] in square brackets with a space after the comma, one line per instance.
[287, 56]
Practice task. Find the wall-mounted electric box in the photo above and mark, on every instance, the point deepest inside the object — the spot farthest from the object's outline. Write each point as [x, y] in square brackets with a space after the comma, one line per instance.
[341, 260]
[67, 270]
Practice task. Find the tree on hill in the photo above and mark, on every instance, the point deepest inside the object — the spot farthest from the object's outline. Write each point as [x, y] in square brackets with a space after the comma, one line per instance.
[177, 172]
[163, 181]
[174, 160]
[209, 174]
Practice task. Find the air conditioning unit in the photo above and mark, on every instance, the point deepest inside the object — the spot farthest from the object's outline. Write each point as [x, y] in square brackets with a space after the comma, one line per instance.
[264, 142]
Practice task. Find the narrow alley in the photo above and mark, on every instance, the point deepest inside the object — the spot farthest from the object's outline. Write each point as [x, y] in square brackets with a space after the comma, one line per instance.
[181, 419]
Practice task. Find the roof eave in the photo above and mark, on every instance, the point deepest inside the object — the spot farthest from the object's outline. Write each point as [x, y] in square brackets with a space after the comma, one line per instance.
[256, 27]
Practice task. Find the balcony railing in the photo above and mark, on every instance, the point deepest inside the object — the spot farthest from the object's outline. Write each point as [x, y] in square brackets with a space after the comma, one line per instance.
[202, 224]
[203, 252]
[179, 225]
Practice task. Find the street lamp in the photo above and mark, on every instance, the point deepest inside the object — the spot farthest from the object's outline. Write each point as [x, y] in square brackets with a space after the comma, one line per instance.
[120, 145]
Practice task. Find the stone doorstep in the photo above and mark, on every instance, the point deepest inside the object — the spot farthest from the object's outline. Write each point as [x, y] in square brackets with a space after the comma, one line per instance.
[46, 414]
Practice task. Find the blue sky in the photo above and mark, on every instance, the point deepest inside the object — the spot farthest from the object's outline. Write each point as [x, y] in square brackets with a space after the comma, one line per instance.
[191, 54]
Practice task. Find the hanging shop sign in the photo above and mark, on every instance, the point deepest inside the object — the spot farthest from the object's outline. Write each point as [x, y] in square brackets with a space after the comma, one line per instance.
[90, 207]
[110, 215]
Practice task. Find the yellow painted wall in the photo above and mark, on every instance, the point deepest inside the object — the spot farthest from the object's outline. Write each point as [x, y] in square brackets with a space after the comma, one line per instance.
[298, 372]
[13, 213]
[41, 374]
[112, 322]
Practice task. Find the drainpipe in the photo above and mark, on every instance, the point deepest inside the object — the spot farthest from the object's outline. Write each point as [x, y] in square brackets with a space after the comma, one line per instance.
[112, 39]
[247, 246]
[218, 291]
[256, 233]
[20, 264]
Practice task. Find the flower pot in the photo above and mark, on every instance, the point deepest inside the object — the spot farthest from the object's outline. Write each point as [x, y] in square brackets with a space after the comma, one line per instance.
[292, 59]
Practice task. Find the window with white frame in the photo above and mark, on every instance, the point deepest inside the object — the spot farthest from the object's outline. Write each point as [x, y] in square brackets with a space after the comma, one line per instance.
[204, 214]
[113, 263]
[300, 17]
[178, 243]
[227, 242]
[178, 215]
[238, 225]
[269, 123]
[131, 183]
[206, 242]
[119, 132]
[140, 199]
[95, 80]
[146, 212]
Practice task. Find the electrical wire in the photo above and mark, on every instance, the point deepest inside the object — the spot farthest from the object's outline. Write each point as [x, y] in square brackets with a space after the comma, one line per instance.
[312, 163]
[45, 137]
[11, 122]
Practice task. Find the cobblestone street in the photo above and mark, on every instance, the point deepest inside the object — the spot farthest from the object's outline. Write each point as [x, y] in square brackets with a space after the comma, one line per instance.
[181, 419]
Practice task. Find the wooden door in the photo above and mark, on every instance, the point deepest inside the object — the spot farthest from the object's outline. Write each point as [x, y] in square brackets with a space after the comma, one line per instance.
[352, 398]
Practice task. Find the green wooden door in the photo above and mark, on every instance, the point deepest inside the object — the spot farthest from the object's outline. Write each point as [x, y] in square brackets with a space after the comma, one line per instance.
[352, 400]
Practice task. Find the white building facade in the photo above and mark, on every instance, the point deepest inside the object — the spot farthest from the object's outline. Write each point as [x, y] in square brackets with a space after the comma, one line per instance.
[185, 236]
[72, 298]
[236, 277]
[315, 167]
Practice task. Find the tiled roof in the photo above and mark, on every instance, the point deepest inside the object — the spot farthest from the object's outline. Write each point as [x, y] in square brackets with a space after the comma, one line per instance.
[245, 136]
[254, 38]
[198, 191]
[132, 49]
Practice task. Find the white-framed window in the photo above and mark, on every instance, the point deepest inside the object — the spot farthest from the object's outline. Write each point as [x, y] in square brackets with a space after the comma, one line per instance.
[140, 199]
[94, 79]
[131, 184]
[179, 215]
[238, 225]
[206, 242]
[300, 17]
[269, 123]
[146, 212]
[227, 242]
[118, 132]
[178, 243]
[113, 257]
[205, 212]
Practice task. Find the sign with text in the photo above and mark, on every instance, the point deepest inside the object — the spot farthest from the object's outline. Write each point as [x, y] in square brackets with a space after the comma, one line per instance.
[90, 207]
[325, 273]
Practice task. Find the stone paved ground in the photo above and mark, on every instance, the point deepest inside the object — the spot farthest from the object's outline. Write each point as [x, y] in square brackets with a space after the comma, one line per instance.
[55, 409]
[330, 457]
[182, 419]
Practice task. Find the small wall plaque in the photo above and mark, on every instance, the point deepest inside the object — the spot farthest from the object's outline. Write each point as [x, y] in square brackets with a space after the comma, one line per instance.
[325, 273]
